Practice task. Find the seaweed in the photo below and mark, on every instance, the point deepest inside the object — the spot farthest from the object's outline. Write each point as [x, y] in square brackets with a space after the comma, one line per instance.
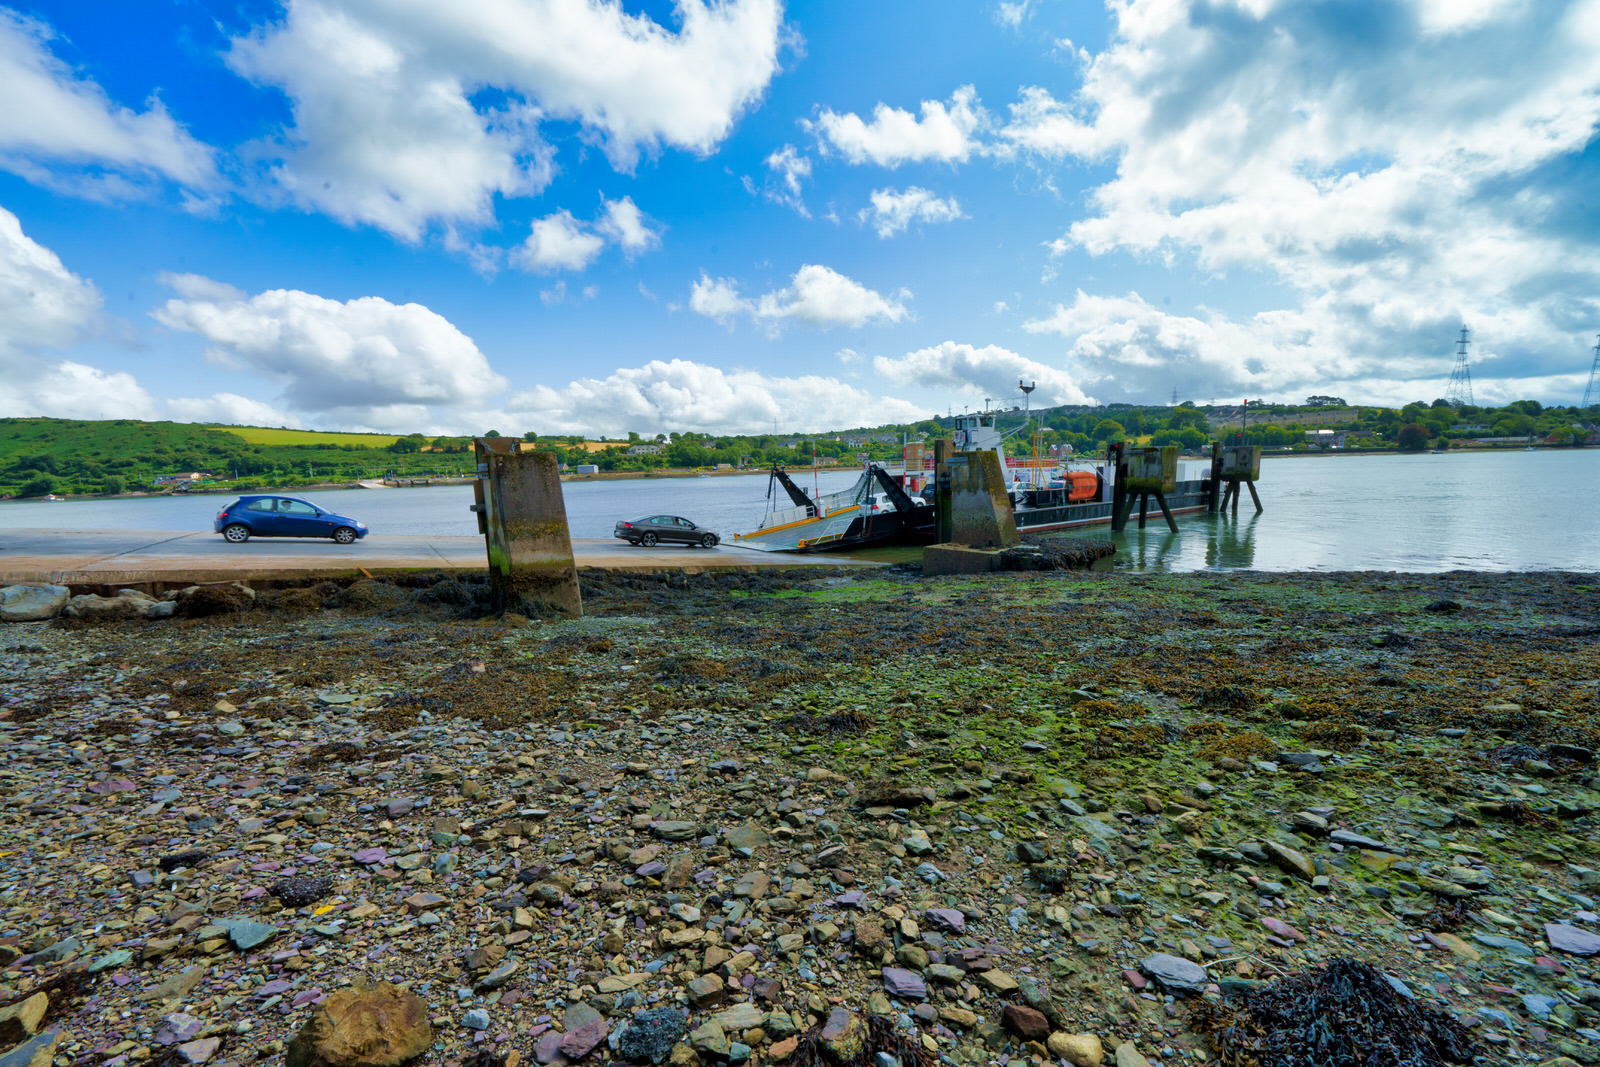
[1345, 1014]
[882, 1037]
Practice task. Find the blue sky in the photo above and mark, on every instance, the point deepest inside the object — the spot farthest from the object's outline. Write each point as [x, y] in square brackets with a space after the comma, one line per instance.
[575, 216]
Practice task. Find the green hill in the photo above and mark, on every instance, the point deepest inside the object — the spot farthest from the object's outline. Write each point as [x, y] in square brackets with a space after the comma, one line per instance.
[39, 456]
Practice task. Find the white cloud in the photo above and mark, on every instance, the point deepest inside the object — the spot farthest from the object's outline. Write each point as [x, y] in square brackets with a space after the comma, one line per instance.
[790, 170]
[945, 133]
[44, 306]
[1396, 182]
[229, 409]
[1013, 14]
[556, 242]
[990, 370]
[365, 361]
[626, 225]
[892, 212]
[53, 123]
[816, 296]
[390, 128]
[663, 396]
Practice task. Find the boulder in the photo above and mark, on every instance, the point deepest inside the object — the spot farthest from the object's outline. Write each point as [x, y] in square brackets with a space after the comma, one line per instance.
[30, 603]
[22, 1020]
[127, 604]
[1176, 974]
[365, 1026]
[844, 1036]
[650, 1035]
[1027, 1023]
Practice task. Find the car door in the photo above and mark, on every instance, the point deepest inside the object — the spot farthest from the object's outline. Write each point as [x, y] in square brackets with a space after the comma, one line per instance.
[661, 526]
[261, 516]
[296, 518]
[686, 532]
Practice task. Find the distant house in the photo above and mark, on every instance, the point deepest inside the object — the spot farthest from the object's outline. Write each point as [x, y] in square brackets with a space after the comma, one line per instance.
[189, 477]
[1326, 438]
[587, 468]
[644, 450]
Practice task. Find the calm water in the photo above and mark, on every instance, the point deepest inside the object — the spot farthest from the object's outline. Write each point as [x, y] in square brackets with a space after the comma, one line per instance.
[1478, 511]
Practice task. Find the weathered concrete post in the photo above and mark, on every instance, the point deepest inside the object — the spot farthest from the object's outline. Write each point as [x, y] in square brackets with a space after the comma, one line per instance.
[1120, 504]
[1215, 485]
[975, 520]
[523, 518]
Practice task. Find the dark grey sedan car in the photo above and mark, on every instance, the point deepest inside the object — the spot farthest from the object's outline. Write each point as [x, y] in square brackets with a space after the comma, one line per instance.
[668, 529]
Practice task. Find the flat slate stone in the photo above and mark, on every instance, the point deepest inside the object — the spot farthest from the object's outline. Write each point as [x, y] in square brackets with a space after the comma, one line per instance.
[1352, 840]
[907, 985]
[1175, 973]
[1571, 939]
[246, 934]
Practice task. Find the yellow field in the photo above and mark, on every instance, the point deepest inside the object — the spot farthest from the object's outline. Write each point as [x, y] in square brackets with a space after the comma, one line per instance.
[261, 435]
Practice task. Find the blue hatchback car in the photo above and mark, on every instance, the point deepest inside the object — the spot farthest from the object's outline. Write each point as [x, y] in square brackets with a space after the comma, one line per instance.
[283, 516]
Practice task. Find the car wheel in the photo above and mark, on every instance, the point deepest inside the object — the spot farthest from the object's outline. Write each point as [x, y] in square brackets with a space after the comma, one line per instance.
[708, 541]
[344, 535]
[238, 533]
[648, 540]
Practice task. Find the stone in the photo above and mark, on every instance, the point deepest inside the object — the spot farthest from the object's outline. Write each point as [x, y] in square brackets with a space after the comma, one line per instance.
[364, 1026]
[578, 1043]
[32, 603]
[199, 1050]
[246, 934]
[674, 830]
[707, 990]
[1080, 1050]
[949, 919]
[746, 839]
[1032, 852]
[1027, 1023]
[892, 794]
[1354, 840]
[1571, 939]
[499, 976]
[476, 1019]
[843, 1036]
[1128, 1056]
[1290, 860]
[37, 1051]
[907, 985]
[740, 1017]
[23, 1020]
[709, 1037]
[1175, 973]
[650, 1034]
[997, 982]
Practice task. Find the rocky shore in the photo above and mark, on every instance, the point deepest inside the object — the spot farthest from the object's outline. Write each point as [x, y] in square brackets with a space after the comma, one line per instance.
[869, 820]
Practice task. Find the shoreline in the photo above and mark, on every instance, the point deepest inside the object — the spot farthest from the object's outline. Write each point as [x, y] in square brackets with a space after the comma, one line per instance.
[680, 473]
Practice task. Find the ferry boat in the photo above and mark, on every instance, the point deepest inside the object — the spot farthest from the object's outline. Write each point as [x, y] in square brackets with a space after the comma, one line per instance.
[885, 507]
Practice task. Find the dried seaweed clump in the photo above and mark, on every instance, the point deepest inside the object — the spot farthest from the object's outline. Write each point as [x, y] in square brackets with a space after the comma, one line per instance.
[882, 1037]
[1227, 698]
[1244, 747]
[1346, 1014]
[839, 724]
[1338, 736]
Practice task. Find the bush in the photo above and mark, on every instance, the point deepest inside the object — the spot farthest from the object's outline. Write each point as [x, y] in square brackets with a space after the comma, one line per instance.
[41, 485]
[1413, 437]
[111, 486]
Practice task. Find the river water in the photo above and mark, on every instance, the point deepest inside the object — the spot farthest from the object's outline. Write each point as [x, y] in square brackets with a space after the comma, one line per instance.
[1510, 510]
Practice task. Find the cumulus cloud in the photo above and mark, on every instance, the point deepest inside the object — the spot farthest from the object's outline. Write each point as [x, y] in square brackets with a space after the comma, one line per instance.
[560, 242]
[391, 127]
[944, 132]
[663, 396]
[625, 224]
[54, 123]
[556, 242]
[892, 212]
[990, 370]
[816, 296]
[364, 361]
[229, 409]
[44, 306]
[1398, 181]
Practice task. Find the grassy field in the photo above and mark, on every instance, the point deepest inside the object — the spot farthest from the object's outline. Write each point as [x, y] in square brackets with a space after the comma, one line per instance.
[262, 435]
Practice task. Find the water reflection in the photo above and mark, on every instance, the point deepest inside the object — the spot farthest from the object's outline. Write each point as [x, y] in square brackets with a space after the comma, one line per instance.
[1231, 541]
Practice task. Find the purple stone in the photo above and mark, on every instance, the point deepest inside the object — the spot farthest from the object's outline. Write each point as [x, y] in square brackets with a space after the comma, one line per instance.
[547, 1049]
[112, 785]
[949, 919]
[580, 1042]
[1571, 939]
[907, 985]
[307, 997]
[650, 870]
[851, 899]
[371, 855]
[273, 988]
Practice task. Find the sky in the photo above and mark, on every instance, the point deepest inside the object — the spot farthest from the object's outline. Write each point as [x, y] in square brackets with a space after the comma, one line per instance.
[738, 216]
